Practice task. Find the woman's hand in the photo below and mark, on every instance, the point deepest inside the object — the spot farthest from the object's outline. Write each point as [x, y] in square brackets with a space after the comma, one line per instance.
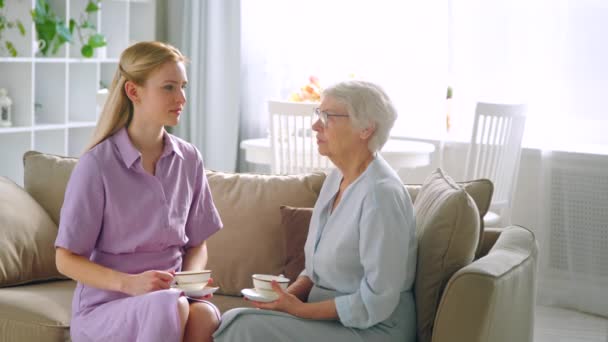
[137, 284]
[286, 302]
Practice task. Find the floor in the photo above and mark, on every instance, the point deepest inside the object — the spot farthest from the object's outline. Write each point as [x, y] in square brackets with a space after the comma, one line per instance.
[561, 325]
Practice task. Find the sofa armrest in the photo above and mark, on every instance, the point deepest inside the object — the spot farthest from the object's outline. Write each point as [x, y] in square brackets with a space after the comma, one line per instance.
[493, 298]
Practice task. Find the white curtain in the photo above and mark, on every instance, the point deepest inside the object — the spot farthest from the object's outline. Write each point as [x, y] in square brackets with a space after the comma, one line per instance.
[401, 45]
[550, 54]
[208, 33]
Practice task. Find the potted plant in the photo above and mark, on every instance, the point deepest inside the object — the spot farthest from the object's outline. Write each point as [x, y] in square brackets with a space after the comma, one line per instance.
[448, 123]
[50, 28]
[53, 32]
[8, 24]
[87, 32]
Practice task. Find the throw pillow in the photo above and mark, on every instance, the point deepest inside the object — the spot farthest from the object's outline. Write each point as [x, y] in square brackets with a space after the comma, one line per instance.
[27, 236]
[45, 178]
[252, 240]
[480, 190]
[447, 228]
[295, 222]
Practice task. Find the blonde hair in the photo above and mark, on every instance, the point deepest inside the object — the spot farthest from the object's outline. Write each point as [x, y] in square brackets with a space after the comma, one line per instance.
[136, 64]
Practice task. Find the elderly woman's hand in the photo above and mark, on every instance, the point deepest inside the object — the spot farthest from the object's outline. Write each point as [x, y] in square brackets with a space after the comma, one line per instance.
[286, 302]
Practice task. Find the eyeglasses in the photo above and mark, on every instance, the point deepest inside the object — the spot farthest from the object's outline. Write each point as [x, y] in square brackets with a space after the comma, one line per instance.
[323, 115]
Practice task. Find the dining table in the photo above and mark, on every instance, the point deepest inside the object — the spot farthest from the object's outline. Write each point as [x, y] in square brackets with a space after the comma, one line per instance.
[399, 153]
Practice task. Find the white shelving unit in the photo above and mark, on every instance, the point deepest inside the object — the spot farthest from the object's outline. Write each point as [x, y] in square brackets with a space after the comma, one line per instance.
[54, 98]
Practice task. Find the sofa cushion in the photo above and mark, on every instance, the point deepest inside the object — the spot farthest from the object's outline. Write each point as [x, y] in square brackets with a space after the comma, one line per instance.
[45, 178]
[238, 198]
[252, 240]
[295, 222]
[27, 235]
[480, 190]
[36, 312]
[447, 228]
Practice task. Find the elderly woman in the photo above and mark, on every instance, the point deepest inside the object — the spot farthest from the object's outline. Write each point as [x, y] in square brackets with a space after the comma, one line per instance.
[361, 245]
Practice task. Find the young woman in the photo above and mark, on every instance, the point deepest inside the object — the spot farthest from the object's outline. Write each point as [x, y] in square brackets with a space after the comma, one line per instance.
[138, 207]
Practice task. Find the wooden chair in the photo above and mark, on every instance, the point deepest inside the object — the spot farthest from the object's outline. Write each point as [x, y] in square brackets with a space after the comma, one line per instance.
[293, 143]
[494, 153]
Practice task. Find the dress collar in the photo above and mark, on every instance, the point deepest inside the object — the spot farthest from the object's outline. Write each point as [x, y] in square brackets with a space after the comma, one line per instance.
[130, 154]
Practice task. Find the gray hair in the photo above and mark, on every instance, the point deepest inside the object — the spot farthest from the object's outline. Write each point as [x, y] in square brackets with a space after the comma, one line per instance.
[368, 105]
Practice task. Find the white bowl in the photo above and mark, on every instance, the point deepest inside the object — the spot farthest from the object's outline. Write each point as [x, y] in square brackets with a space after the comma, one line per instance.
[190, 286]
[192, 277]
[262, 282]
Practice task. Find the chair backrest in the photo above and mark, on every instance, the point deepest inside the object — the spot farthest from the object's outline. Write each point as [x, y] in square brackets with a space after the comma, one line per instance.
[495, 148]
[293, 143]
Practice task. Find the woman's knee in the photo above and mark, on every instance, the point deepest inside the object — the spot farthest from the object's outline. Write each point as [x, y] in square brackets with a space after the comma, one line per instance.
[205, 313]
[183, 309]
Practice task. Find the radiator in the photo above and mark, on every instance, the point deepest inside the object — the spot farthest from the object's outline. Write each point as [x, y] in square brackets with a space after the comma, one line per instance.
[576, 264]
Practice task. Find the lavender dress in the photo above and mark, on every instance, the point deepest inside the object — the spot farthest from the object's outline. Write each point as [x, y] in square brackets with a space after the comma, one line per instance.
[121, 217]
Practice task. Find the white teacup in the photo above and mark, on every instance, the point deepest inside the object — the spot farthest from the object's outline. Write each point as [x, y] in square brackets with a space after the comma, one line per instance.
[192, 277]
[263, 283]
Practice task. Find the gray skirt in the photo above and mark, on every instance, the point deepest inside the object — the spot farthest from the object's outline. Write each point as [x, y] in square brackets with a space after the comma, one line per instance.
[249, 325]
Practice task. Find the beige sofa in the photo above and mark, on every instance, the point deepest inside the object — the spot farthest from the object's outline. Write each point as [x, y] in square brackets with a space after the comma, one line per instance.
[459, 297]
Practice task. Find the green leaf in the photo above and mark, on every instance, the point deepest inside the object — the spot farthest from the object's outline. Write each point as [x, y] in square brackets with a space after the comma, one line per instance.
[91, 7]
[41, 9]
[97, 40]
[56, 45]
[46, 31]
[21, 27]
[72, 25]
[63, 33]
[1, 3]
[47, 27]
[34, 15]
[11, 49]
[87, 51]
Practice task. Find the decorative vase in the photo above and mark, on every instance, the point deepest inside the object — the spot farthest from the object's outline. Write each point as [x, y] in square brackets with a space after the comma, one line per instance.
[5, 109]
[37, 47]
[448, 119]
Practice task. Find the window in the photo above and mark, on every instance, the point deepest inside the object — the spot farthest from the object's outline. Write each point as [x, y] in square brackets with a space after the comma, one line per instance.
[549, 54]
[400, 45]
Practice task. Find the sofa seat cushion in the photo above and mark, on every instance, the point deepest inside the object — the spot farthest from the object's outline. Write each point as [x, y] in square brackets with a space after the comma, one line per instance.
[27, 235]
[252, 240]
[36, 312]
[447, 228]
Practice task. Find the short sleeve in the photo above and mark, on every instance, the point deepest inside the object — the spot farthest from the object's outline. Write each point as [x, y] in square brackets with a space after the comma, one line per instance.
[81, 216]
[203, 217]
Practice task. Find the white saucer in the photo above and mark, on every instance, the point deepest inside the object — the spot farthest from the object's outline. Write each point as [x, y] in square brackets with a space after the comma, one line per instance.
[196, 291]
[255, 296]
